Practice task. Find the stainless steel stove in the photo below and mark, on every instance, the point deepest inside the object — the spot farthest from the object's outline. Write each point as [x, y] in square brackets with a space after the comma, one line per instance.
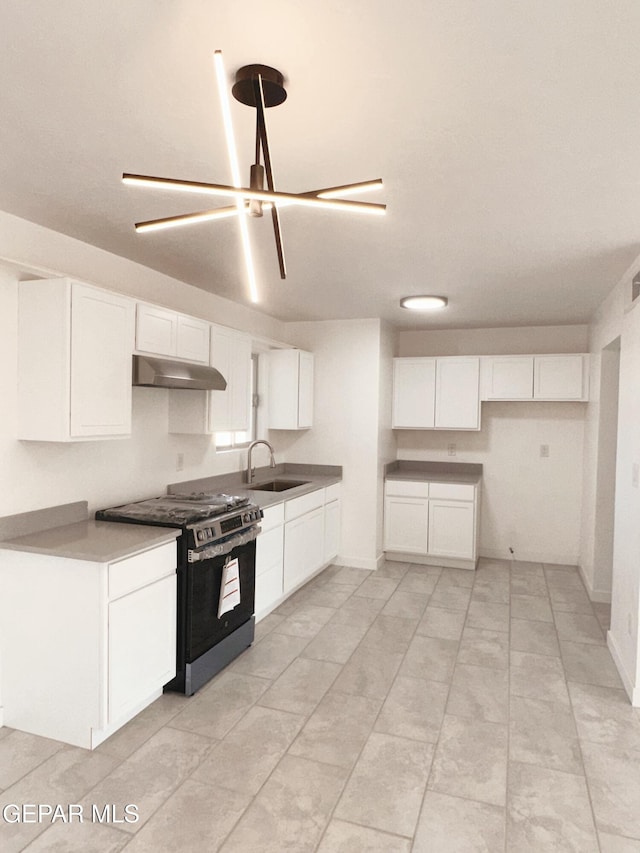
[216, 554]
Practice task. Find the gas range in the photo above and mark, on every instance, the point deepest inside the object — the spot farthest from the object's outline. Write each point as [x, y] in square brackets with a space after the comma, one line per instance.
[215, 553]
[204, 518]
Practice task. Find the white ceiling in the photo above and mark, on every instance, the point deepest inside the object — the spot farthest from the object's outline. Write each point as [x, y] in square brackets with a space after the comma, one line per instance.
[507, 135]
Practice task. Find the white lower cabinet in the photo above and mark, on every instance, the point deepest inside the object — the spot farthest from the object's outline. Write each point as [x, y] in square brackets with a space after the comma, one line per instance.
[432, 522]
[90, 645]
[303, 548]
[269, 560]
[406, 524]
[142, 649]
[451, 529]
[299, 537]
[332, 525]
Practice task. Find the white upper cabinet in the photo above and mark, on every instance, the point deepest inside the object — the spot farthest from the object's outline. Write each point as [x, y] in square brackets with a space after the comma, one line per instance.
[206, 412]
[414, 393]
[458, 393]
[230, 410]
[290, 393]
[561, 377]
[166, 333]
[74, 361]
[508, 377]
[436, 393]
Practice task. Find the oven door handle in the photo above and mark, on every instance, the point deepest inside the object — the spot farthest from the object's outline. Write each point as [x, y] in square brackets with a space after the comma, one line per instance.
[222, 548]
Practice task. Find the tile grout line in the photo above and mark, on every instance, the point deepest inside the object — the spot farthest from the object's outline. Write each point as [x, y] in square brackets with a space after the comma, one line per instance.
[575, 722]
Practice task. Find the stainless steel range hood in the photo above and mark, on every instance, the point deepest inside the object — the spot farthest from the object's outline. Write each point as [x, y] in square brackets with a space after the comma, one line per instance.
[164, 373]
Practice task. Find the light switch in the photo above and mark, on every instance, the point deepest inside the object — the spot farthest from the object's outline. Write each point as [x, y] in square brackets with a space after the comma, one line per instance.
[544, 450]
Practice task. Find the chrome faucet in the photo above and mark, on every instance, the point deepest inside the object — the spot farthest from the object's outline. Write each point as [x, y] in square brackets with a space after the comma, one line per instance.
[250, 470]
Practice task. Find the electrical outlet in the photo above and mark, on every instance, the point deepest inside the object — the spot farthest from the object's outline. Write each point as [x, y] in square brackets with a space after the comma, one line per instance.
[451, 449]
[180, 462]
[544, 451]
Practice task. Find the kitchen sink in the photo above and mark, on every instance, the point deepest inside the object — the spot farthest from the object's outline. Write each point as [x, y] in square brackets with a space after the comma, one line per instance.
[278, 485]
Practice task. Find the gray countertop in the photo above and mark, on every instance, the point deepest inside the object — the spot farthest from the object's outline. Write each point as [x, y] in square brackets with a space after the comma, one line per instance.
[442, 472]
[93, 541]
[44, 531]
[314, 477]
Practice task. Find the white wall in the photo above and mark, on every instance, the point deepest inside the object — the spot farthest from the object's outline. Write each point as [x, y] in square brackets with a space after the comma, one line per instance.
[615, 319]
[39, 474]
[507, 340]
[529, 503]
[352, 371]
[606, 327]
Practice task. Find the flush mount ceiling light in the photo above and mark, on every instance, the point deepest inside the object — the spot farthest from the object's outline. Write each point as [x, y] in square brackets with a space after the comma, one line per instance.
[260, 87]
[424, 303]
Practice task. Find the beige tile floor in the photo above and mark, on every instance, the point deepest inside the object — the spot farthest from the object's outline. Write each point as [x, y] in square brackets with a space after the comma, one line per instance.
[410, 709]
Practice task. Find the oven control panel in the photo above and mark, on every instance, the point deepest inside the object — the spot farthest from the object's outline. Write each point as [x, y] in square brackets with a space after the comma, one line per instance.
[212, 529]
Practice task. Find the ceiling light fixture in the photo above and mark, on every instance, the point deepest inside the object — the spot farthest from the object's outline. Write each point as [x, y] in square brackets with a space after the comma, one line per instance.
[424, 303]
[260, 87]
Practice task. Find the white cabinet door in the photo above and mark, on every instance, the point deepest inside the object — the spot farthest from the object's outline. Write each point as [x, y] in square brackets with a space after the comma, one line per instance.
[331, 530]
[156, 329]
[305, 390]
[508, 377]
[74, 361]
[451, 529]
[303, 548]
[559, 377]
[229, 410]
[164, 332]
[406, 524]
[290, 394]
[142, 645]
[458, 393]
[269, 568]
[101, 347]
[192, 339]
[414, 383]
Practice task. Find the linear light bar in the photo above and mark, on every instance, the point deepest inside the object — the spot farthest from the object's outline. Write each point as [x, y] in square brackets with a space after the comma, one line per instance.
[349, 189]
[185, 219]
[222, 212]
[277, 198]
[221, 79]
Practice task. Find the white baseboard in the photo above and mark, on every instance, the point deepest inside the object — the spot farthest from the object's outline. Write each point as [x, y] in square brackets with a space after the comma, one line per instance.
[633, 692]
[562, 559]
[600, 596]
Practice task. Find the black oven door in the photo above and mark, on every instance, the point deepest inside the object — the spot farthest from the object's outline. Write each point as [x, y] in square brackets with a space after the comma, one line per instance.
[204, 629]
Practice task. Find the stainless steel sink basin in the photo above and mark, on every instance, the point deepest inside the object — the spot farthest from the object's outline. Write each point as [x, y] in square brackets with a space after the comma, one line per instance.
[278, 485]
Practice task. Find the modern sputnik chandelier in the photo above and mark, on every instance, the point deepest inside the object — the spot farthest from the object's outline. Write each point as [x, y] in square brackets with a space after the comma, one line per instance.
[260, 87]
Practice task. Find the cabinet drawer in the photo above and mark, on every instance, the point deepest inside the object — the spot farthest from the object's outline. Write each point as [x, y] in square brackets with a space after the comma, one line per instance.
[141, 569]
[273, 515]
[407, 488]
[305, 503]
[452, 491]
[332, 493]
